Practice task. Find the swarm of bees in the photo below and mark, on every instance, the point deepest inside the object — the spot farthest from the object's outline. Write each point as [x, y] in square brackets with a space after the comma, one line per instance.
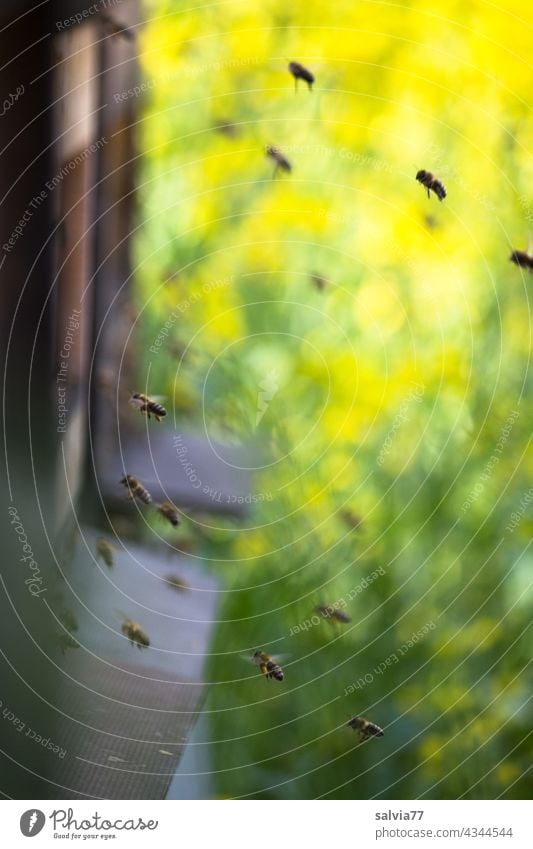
[300, 72]
[135, 634]
[332, 613]
[365, 728]
[269, 667]
[148, 405]
[281, 163]
[432, 183]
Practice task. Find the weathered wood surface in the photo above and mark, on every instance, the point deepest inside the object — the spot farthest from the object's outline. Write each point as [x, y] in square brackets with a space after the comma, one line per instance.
[127, 712]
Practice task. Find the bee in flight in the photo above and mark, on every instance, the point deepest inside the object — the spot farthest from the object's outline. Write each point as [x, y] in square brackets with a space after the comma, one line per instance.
[148, 405]
[65, 638]
[431, 183]
[104, 551]
[114, 28]
[319, 282]
[332, 613]
[136, 489]
[350, 518]
[135, 634]
[300, 72]
[523, 259]
[365, 728]
[280, 161]
[168, 511]
[267, 665]
[177, 583]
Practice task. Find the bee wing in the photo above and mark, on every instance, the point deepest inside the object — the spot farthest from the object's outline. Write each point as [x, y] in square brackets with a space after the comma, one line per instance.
[282, 656]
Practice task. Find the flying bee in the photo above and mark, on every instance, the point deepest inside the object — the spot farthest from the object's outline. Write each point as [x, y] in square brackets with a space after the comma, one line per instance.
[113, 27]
[136, 489]
[267, 665]
[227, 128]
[104, 551]
[350, 518]
[280, 161]
[177, 583]
[67, 641]
[135, 634]
[168, 511]
[431, 183]
[148, 405]
[523, 259]
[68, 619]
[332, 613]
[365, 728]
[319, 282]
[299, 72]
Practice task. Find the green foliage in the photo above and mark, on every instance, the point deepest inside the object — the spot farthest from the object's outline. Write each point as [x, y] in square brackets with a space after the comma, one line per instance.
[400, 391]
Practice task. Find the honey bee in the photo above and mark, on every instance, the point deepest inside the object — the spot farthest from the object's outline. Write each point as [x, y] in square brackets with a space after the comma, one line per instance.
[332, 613]
[523, 259]
[319, 281]
[114, 28]
[148, 405]
[280, 161]
[67, 641]
[350, 518]
[177, 583]
[68, 619]
[136, 489]
[104, 551]
[431, 183]
[269, 668]
[168, 511]
[365, 728]
[135, 634]
[299, 72]
[227, 128]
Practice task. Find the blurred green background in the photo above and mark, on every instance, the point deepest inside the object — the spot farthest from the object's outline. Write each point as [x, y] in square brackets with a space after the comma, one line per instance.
[397, 395]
